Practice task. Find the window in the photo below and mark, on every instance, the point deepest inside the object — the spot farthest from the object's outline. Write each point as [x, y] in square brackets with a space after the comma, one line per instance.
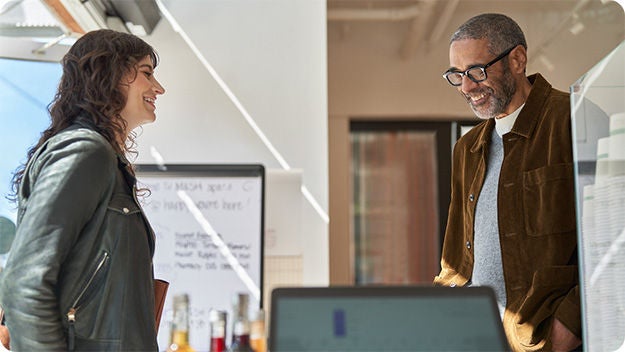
[26, 88]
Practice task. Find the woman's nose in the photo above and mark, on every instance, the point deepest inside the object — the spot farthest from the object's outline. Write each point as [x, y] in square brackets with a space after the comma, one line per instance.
[158, 87]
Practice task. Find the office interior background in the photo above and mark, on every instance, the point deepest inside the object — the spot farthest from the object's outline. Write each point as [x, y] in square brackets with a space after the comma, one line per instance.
[346, 95]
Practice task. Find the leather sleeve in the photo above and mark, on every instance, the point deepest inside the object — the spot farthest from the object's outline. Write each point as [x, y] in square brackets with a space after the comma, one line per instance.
[60, 192]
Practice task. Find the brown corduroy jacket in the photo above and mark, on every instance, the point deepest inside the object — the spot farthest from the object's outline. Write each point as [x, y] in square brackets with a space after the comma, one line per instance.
[536, 213]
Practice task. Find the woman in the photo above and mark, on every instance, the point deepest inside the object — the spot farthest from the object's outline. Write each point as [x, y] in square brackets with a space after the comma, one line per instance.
[79, 275]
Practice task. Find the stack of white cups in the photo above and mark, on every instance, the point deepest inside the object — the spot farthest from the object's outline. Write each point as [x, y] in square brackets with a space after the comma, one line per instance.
[603, 241]
[590, 259]
[588, 231]
[616, 211]
[601, 278]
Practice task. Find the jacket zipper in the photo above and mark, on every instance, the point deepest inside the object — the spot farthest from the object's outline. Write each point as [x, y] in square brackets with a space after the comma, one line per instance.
[71, 318]
[71, 314]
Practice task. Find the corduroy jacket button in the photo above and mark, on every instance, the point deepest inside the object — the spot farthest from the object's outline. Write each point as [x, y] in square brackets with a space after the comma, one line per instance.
[468, 244]
[471, 197]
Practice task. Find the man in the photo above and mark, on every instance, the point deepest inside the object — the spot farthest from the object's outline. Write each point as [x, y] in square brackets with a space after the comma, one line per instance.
[511, 220]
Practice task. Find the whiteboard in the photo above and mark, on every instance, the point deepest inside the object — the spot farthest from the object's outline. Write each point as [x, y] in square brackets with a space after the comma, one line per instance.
[183, 201]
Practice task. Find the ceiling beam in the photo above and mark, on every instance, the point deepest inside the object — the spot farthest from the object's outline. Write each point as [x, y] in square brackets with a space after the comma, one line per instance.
[443, 20]
[387, 14]
[418, 28]
[67, 20]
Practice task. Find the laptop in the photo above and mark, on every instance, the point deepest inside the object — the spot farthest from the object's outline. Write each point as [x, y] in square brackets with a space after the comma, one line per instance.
[385, 318]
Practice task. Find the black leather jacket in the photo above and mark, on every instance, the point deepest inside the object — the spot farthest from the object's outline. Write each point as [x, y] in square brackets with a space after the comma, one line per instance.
[79, 274]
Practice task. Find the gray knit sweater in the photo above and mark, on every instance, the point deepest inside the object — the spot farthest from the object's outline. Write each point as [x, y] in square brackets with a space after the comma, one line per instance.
[487, 268]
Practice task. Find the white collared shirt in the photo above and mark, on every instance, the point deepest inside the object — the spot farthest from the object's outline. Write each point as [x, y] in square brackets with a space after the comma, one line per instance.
[504, 124]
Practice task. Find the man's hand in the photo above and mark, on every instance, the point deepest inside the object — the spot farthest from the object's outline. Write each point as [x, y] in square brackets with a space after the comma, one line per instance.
[562, 339]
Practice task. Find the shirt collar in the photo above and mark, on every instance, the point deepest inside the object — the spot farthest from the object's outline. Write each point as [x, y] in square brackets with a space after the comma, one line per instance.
[504, 124]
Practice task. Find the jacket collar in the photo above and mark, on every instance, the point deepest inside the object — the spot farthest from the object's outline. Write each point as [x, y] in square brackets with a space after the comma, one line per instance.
[122, 161]
[528, 117]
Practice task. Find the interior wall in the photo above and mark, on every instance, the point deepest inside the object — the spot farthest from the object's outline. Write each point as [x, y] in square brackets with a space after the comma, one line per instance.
[272, 57]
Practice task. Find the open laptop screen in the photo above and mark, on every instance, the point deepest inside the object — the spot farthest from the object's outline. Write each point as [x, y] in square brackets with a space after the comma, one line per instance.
[397, 318]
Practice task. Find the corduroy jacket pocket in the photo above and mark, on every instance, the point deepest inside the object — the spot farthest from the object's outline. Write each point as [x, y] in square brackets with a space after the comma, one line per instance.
[548, 193]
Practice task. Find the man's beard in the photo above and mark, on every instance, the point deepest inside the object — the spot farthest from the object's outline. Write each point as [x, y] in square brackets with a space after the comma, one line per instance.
[498, 100]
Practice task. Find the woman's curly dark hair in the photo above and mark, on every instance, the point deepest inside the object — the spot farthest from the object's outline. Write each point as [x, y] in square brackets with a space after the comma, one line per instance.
[90, 89]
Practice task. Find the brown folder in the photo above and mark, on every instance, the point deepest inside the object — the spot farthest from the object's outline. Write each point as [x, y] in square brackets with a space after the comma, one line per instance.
[160, 292]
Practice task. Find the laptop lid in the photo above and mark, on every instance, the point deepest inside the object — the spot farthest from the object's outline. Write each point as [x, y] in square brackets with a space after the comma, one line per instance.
[385, 318]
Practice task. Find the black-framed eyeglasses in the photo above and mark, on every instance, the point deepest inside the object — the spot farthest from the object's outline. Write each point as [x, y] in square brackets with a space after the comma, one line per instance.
[475, 73]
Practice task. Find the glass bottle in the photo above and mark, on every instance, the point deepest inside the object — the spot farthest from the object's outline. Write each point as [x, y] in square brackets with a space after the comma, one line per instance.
[180, 325]
[241, 325]
[258, 339]
[217, 320]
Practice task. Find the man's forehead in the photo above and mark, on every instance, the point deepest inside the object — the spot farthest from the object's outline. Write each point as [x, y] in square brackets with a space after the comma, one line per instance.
[467, 52]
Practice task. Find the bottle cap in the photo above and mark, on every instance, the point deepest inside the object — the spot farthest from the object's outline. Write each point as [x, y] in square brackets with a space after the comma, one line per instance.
[217, 315]
[260, 315]
[239, 305]
[181, 298]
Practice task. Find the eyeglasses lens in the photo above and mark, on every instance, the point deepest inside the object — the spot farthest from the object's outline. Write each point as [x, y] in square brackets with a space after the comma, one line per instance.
[455, 78]
[476, 74]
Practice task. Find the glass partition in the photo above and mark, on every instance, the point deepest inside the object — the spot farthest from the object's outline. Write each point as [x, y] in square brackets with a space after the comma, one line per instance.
[598, 116]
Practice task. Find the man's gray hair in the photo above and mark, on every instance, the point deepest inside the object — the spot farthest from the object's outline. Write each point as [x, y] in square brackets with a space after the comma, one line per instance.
[499, 30]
